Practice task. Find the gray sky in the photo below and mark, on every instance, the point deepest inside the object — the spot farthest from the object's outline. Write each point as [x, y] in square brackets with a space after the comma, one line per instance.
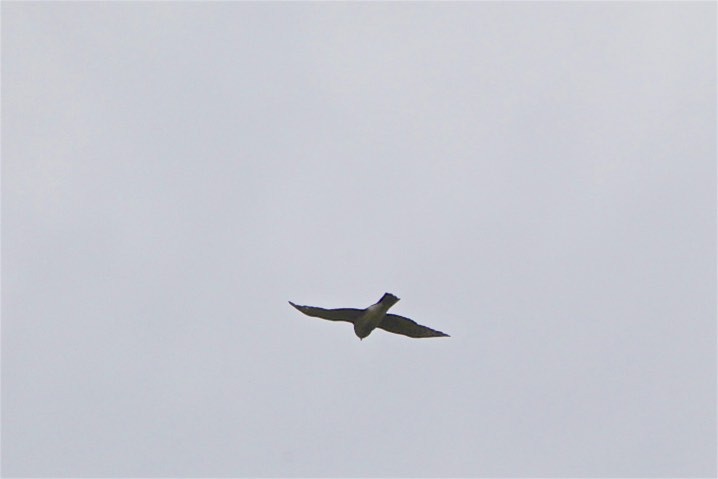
[536, 179]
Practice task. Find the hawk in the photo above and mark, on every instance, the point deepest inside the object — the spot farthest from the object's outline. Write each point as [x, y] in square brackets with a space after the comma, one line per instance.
[375, 316]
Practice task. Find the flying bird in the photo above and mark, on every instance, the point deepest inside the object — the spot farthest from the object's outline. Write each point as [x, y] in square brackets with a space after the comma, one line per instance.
[375, 316]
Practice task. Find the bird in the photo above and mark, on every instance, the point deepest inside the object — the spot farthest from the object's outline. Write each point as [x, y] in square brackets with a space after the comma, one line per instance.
[375, 316]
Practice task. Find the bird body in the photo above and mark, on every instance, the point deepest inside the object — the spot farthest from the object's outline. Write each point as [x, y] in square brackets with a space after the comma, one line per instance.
[375, 316]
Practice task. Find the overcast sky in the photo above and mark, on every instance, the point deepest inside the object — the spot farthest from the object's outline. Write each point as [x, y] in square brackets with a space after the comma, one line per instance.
[538, 180]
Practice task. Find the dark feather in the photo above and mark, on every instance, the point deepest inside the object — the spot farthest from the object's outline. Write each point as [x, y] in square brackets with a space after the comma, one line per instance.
[401, 325]
[343, 314]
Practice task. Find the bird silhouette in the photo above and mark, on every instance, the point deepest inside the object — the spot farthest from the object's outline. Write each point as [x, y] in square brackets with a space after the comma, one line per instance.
[375, 316]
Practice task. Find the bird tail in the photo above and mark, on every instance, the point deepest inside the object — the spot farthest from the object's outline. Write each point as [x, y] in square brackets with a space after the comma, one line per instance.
[389, 299]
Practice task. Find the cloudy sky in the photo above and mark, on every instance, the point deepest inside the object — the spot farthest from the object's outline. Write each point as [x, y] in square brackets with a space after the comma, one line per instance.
[536, 179]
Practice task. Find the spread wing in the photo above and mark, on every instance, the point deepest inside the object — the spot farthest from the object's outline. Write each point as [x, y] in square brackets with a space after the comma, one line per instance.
[401, 325]
[342, 314]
